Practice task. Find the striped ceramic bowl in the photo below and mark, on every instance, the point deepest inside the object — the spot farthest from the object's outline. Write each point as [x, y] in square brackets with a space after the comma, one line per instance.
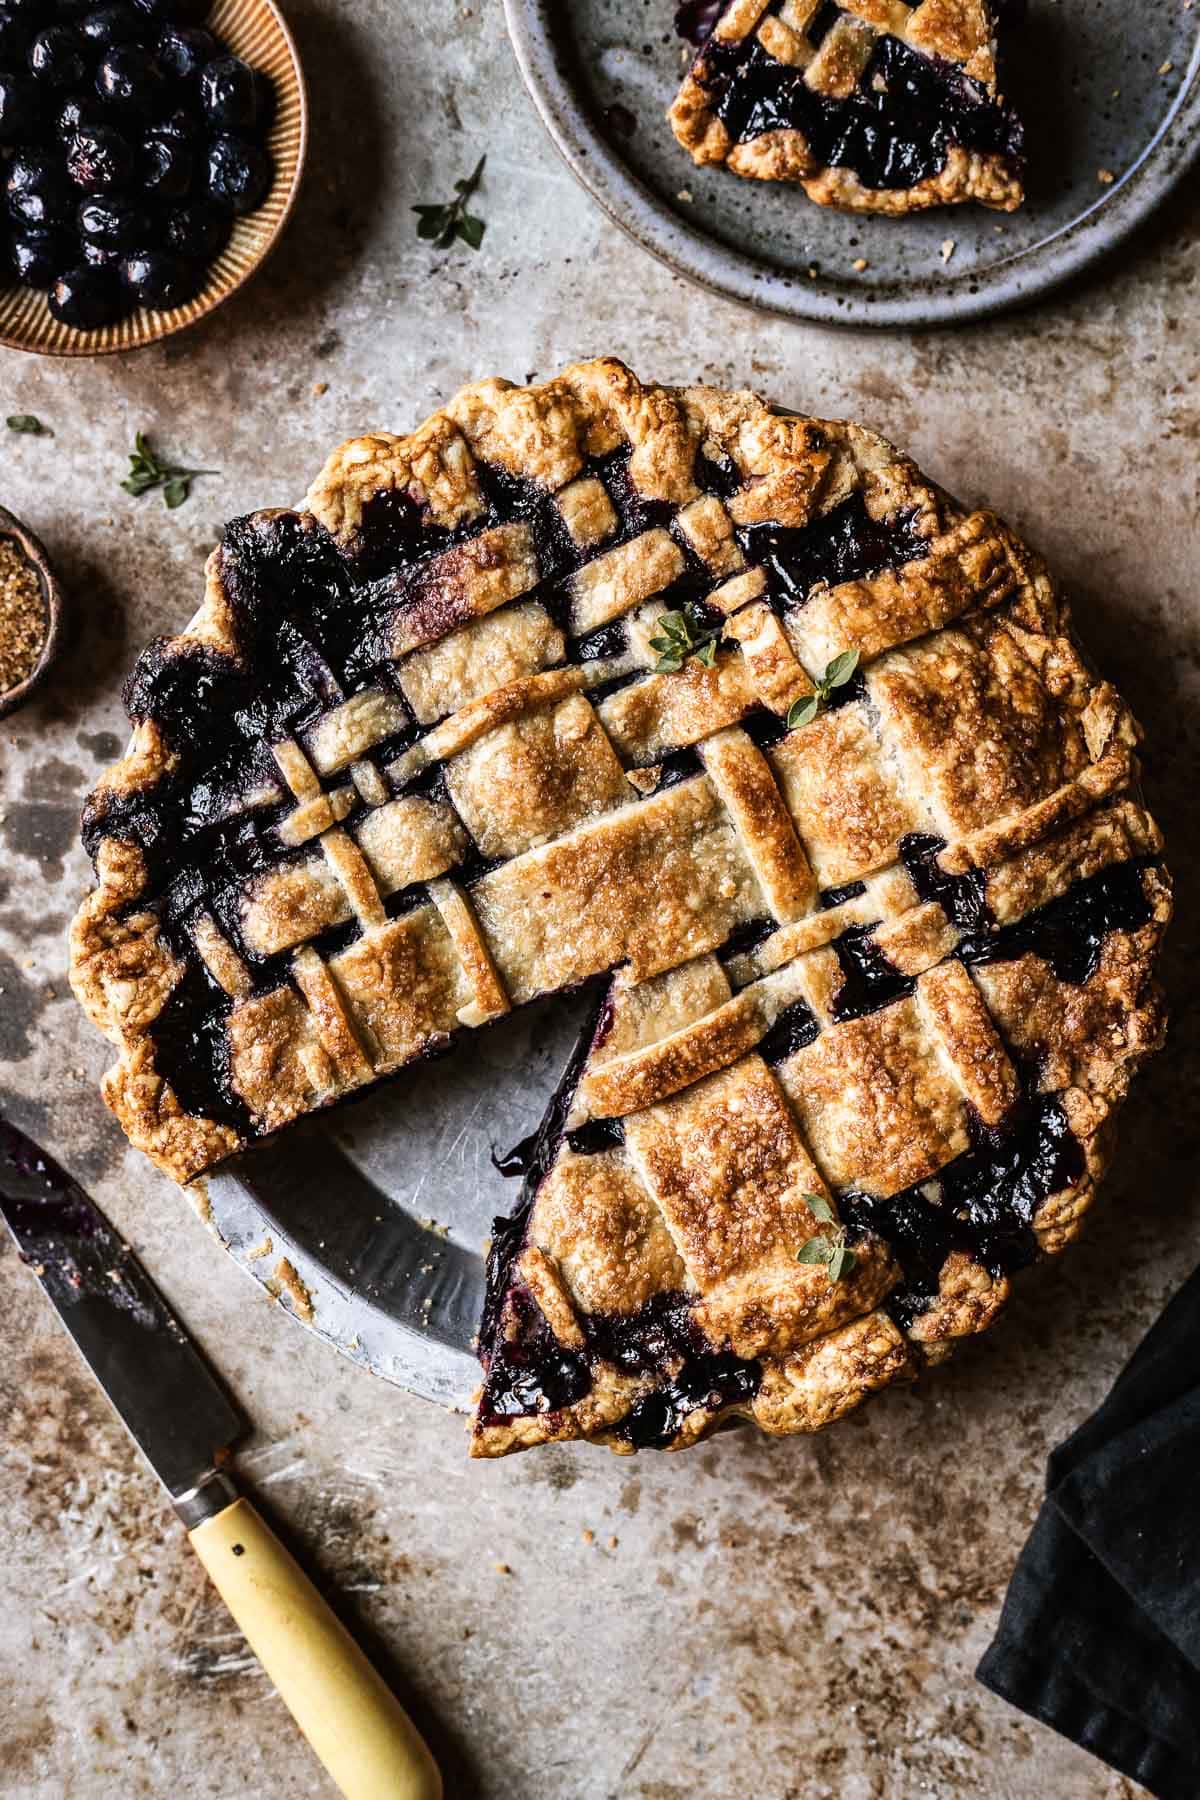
[255, 31]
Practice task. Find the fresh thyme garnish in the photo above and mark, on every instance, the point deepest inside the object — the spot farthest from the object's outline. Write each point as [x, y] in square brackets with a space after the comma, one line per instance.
[29, 423]
[445, 223]
[831, 1248]
[684, 634]
[146, 472]
[837, 674]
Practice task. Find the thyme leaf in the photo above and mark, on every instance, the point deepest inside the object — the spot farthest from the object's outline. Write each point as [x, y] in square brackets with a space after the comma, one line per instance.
[442, 224]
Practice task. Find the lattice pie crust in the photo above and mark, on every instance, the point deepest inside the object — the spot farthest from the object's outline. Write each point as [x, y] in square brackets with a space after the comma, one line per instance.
[411, 764]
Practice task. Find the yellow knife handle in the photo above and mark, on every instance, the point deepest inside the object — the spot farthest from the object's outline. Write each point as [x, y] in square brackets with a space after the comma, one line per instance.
[347, 1712]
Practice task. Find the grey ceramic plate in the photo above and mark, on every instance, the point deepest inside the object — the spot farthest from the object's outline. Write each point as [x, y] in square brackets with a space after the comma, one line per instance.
[602, 73]
[382, 1207]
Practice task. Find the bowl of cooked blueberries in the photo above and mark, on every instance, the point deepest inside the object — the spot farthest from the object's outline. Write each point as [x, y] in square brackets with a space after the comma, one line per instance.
[150, 153]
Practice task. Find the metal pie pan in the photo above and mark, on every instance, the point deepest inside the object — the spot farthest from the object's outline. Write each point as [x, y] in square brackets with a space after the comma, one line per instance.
[368, 1223]
[1101, 96]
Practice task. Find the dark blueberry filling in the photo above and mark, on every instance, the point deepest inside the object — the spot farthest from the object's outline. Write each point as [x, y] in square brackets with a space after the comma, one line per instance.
[1069, 932]
[764, 728]
[748, 937]
[596, 1135]
[191, 1050]
[695, 20]
[983, 1203]
[610, 640]
[895, 130]
[529, 1371]
[963, 898]
[677, 766]
[711, 1380]
[832, 897]
[133, 104]
[795, 1027]
[870, 980]
[845, 544]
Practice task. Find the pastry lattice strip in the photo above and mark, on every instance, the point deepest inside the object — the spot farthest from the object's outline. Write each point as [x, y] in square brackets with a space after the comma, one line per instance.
[883, 1102]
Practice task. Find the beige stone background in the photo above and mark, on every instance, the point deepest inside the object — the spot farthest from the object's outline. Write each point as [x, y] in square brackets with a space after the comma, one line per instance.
[783, 1620]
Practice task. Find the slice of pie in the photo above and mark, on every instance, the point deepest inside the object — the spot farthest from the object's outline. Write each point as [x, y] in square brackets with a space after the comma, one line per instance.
[733, 715]
[871, 105]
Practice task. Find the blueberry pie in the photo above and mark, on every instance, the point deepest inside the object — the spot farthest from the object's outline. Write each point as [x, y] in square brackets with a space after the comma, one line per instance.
[733, 715]
[871, 105]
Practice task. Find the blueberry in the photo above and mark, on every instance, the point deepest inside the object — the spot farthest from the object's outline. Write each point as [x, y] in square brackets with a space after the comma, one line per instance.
[182, 123]
[57, 57]
[175, 12]
[156, 278]
[99, 159]
[18, 108]
[197, 232]
[109, 26]
[165, 166]
[113, 223]
[100, 256]
[238, 174]
[183, 51]
[38, 191]
[130, 78]
[87, 298]
[14, 41]
[79, 109]
[37, 256]
[229, 94]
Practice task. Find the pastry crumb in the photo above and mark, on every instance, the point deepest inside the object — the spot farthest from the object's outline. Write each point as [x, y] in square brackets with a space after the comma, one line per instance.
[947, 249]
[1105, 177]
[503, 1569]
[859, 264]
[289, 1283]
[812, 271]
[320, 387]
[260, 1250]
[589, 1537]
[1165, 68]
[686, 195]
[613, 1542]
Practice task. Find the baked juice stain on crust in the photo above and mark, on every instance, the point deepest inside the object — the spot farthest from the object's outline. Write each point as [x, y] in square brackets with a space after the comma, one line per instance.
[422, 757]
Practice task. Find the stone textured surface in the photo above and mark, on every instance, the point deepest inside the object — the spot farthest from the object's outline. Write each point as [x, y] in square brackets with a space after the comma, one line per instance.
[791, 1619]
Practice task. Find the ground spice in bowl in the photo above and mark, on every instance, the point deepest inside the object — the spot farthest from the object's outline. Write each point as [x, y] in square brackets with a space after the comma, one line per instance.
[24, 621]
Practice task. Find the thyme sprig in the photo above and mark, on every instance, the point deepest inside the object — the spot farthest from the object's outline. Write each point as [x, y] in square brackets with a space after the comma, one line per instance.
[682, 634]
[444, 223]
[147, 470]
[829, 1248]
[837, 674]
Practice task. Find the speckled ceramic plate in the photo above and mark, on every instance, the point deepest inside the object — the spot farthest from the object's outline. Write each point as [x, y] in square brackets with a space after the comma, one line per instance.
[254, 30]
[1093, 95]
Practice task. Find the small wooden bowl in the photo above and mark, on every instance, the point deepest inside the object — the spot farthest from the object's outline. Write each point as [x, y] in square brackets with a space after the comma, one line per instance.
[34, 552]
[255, 31]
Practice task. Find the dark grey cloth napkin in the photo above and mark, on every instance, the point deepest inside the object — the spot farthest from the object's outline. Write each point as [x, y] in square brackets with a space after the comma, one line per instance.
[1100, 1632]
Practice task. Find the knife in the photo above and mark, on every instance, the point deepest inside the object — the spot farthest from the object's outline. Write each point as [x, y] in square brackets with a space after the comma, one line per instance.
[185, 1424]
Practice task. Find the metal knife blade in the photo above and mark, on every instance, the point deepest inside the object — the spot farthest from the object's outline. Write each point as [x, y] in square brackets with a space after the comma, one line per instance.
[167, 1397]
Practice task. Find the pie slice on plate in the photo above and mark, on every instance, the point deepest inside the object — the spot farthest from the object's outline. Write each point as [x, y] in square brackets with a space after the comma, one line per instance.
[871, 105]
[732, 714]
